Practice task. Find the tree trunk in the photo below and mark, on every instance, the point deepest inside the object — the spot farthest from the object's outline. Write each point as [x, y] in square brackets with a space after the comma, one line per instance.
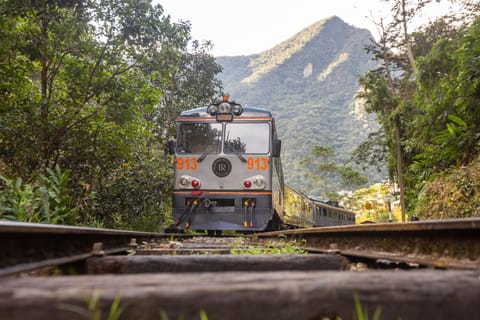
[399, 158]
[408, 44]
[43, 137]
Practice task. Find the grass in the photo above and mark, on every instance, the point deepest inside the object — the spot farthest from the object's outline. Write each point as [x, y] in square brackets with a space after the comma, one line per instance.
[93, 310]
[362, 314]
[273, 247]
[164, 316]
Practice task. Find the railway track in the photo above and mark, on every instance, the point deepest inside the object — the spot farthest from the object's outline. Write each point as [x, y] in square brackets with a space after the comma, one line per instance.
[27, 246]
[168, 278]
[451, 244]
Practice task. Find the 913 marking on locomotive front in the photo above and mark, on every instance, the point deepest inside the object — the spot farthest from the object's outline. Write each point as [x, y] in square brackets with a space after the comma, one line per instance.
[187, 163]
[258, 163]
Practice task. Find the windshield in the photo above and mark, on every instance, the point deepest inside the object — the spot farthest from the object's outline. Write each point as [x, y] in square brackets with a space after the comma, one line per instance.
[199, 138]
[247, 138]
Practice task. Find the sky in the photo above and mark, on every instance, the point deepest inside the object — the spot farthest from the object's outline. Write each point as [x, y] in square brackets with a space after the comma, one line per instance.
[246, 27]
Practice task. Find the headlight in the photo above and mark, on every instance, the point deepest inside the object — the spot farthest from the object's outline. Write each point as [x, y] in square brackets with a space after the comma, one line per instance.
[255, 182]
[259, 182]
[237, 109]
[212, 109]
[184, 182]
[224, 107]
[188, 182]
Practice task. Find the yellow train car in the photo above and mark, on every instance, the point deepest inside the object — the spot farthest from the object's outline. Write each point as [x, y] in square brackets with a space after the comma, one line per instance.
[300, 211]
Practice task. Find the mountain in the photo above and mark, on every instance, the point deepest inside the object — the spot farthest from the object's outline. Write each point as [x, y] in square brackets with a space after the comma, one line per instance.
[309, 83]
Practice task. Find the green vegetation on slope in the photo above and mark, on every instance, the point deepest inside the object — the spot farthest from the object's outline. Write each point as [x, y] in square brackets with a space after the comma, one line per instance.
[310, 89]
[426, 94]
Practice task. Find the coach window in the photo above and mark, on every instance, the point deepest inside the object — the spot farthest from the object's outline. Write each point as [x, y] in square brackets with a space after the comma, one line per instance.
[253, 138]
[199, 138]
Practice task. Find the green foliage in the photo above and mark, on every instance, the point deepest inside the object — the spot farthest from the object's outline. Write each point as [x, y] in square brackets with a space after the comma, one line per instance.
[93, 309]
[93, 86]
[273, 247]
[50, 202]
[427, 109]
[362, 314]
[137, 197]
[19, 201]
[446, 129]
[351, 177]
[56, 197]
[323, 176]
[164, 315]
[311, 95]
[455, 193]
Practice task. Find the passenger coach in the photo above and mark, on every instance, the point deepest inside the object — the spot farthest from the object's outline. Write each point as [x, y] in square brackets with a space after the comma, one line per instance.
[228, 173]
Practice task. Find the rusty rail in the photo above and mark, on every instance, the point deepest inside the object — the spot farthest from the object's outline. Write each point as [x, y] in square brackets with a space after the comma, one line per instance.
[452, 244]
[29, 246]
[149, 286]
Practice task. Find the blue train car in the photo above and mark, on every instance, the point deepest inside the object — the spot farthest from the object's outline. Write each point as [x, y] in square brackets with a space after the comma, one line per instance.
[302, 211]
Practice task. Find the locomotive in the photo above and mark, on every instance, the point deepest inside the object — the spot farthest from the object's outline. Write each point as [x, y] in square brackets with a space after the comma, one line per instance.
[228, 172]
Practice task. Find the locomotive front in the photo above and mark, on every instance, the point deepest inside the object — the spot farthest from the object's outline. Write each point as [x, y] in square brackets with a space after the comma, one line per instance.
[227, 168]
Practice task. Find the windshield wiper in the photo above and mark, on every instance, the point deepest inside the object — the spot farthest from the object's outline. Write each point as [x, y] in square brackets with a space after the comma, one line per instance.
[203, 156]
[240, 156]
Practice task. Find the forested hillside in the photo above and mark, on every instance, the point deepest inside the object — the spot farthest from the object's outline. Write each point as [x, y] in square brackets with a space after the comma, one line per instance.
[309, 82]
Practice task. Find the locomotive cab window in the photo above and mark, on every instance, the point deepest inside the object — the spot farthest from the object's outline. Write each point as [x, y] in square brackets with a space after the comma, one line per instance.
[199, 138]
[250, 138]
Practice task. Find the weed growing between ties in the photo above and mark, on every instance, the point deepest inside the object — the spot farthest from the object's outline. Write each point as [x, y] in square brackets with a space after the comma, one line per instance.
[361, 312]
[273, 247]
[93, 310]
[164, 316]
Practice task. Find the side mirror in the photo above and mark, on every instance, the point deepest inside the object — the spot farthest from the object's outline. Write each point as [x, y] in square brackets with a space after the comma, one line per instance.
[171, 147]
[277, 148]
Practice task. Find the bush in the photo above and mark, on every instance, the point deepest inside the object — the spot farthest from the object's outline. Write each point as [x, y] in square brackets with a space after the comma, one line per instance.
[136, 196]
[453, 194]
[47, 202]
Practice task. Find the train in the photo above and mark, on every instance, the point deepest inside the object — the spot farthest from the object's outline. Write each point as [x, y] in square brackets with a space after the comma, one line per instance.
[228, 175]
[303, 211]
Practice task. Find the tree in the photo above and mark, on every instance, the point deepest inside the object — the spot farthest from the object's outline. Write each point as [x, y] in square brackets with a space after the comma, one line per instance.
[423, 131]
[324, 175]
[351, 178]
[389, 89]
[83, 85]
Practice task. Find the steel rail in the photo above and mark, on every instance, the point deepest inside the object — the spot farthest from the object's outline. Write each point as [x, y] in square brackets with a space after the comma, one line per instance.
[29, 246]
[452, 244]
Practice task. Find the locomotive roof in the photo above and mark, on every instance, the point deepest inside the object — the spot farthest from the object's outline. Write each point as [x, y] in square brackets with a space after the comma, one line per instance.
[247, 112]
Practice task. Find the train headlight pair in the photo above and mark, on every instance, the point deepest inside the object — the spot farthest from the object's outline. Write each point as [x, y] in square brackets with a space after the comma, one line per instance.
[225, 108]
[188, 182]
[255, 182]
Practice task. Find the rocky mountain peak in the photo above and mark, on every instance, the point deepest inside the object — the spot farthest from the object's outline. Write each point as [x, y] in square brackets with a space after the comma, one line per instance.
[309, 81]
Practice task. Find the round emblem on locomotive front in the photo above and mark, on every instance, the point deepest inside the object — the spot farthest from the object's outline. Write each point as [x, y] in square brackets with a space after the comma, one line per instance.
[222, 167]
